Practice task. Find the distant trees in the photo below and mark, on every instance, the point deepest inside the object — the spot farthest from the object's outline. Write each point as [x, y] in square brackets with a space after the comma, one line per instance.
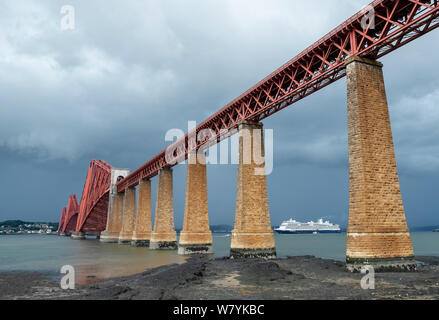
[13, 224]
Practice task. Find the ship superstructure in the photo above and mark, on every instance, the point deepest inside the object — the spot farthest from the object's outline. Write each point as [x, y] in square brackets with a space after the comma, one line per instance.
[296, 227]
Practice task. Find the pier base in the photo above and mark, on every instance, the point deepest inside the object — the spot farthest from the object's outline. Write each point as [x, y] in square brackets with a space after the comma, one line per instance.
[143, 226]
[129, 204]
[377, 234]
[114, 226]
[252, 236]
[382, 265]
[115, 208]
[269, 253]
[140, 243]
[195, 249]
[196, 237]
[164, 236]
[107, 238]
[163, 245]
[78, 235]
[124, 241]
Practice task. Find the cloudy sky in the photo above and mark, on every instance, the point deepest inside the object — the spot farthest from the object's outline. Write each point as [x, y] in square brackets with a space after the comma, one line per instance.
[131, 70]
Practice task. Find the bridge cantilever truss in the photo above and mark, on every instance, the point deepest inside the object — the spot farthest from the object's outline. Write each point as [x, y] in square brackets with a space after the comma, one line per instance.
[94, 200]
[397, 22]
[69, 215]
[61, 220]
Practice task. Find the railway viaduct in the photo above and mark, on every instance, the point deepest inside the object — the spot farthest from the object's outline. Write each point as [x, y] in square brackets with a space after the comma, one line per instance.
[116, 203]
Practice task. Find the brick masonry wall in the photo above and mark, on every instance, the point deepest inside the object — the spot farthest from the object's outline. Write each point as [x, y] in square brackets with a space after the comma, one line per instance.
[252, 218]
[143, 223]
[377, 223]
[196, 229]
[129, 205]
[114, 219]
[164, 229]
[117, 214]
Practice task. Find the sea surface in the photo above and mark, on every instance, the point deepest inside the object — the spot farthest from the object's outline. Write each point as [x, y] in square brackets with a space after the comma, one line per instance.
[94, 261]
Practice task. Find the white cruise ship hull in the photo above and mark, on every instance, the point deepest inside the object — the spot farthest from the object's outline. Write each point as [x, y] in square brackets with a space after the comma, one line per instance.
[306, 231]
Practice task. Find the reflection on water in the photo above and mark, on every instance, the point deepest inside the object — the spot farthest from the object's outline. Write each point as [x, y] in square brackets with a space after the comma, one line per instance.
[94, 261]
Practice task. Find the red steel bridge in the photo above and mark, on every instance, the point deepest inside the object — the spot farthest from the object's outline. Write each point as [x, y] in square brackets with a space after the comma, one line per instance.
[69, 216]
[91, 214]
[396, 23]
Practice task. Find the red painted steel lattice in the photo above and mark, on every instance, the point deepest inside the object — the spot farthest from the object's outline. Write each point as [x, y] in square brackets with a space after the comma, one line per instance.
[94, 201]
[61, 220]
[71, 214]
[397, 22]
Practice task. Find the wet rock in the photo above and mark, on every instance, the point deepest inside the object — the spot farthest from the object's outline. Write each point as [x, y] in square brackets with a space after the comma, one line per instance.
[255, 279]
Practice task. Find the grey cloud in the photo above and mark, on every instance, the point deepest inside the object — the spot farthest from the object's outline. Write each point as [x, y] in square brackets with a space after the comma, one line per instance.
[119, 66]
[111, 88]
[415, 125]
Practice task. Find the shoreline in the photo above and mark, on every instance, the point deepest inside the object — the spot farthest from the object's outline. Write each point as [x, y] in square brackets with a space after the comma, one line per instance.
[302, 278]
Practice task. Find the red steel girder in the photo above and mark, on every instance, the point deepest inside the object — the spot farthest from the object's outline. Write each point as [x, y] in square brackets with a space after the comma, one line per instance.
[94, 200]
[61, 220]
[71, 214]
[397, 22]
[71, 224]
[97, 219]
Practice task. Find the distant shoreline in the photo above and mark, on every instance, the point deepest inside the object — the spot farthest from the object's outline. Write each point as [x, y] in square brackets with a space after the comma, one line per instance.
[213, 232]
[29, 234]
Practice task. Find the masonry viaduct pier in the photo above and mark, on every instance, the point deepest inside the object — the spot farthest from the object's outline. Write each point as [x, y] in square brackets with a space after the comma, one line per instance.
[117, 211]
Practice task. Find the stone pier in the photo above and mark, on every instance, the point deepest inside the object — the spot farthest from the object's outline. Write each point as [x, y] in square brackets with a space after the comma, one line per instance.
[252, 236]
[143, 229]
[196, 236]
[377, 234]
[115, 219]
[164, 235]
[115, 208]
[78, 235]
[129, 206]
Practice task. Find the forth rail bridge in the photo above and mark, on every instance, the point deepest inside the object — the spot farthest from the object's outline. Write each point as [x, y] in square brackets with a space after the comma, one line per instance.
[377, 233]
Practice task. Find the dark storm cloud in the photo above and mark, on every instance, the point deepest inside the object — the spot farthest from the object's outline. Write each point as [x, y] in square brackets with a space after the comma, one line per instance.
[130, 71]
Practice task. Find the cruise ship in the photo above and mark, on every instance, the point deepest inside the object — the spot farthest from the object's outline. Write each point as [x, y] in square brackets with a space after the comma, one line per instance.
[295, 227]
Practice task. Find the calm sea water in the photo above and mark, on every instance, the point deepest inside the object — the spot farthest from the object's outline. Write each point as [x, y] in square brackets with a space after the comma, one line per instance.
[95, 261]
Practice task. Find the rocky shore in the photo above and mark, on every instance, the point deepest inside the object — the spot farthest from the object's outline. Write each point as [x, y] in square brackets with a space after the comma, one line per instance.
[202, 278]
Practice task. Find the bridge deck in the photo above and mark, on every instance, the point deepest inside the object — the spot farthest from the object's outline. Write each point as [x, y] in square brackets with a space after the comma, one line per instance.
[396, 23]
